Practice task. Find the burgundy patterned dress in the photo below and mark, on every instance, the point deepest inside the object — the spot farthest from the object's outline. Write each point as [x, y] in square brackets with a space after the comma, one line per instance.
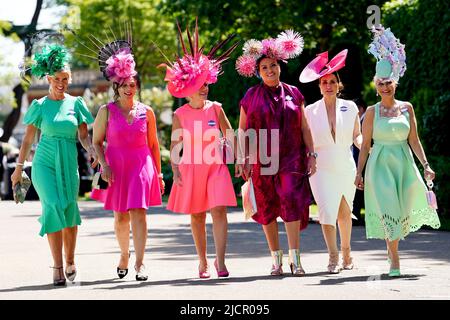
[284, 193]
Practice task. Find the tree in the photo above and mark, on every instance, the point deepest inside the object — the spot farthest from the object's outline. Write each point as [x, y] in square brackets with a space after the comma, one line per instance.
[423, 27]
[328, 25]
[7, 74]
[22, 32]
[148, 27]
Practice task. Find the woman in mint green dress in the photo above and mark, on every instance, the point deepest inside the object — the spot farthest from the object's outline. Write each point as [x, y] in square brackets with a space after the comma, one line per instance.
[60, 117]
[394, 191]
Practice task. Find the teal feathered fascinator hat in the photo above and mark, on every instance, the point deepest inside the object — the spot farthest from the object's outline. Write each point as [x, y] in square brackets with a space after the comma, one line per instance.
[51, 59]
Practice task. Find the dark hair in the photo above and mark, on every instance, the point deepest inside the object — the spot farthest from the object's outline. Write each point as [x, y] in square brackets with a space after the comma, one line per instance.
[259, 61]
[117, 85]
[360, 103]
[340, 85]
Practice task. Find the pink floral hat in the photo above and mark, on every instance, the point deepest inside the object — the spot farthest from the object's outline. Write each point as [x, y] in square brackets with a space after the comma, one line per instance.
[320, 66]
[116, 61]
[189, 73]
[288, 45]
[115, 58]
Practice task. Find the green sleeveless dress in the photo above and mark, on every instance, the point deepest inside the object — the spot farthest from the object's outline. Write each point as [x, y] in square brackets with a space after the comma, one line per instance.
[394, 191]
[54, 172]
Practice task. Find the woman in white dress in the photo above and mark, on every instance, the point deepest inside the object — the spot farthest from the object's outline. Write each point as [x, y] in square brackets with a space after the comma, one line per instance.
[335, 127]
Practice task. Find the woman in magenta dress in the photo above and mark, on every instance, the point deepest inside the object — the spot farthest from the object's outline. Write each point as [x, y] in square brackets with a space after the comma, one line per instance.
[131, 162]
[276, 107]
[202, 181]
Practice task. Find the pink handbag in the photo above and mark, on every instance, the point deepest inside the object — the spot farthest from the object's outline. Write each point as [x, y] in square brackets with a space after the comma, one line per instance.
[431, 197]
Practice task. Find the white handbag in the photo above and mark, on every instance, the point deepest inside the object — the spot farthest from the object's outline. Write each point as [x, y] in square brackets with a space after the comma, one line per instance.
[248, 199]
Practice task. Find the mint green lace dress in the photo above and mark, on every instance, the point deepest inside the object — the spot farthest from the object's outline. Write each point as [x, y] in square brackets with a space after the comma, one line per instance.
[54, 172]
[394, 191]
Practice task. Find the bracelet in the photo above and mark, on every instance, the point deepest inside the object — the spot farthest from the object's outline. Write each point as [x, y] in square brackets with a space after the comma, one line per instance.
[312, 154]
[161, 175]
[20, 164]
[242, 159]
[425, 164]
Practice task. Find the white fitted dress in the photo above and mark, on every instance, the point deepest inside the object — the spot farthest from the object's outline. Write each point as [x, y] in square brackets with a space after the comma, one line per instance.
[336, 167]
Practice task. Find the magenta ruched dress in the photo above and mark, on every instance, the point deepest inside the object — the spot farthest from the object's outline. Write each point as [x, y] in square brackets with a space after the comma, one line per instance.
[136, 183]
[284, 193]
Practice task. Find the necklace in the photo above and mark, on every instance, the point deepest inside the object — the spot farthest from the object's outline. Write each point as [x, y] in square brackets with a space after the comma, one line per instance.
[389, 111]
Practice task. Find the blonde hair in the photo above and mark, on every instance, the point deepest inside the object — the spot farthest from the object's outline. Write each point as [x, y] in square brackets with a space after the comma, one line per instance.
[375, 79]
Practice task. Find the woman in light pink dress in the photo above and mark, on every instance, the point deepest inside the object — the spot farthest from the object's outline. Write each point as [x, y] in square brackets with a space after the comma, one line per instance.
[130, 164]
[202, 181]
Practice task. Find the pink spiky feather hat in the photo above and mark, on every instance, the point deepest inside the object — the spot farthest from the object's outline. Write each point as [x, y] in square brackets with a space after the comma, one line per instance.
[189, 73]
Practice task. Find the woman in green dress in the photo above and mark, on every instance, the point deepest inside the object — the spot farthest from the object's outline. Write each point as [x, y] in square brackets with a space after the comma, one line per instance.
[55, 177]
[394, 191]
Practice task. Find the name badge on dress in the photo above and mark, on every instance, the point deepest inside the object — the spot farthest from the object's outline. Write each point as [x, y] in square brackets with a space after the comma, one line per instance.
[211, 123]
[142, 115]
[344, 108]
[71, 112]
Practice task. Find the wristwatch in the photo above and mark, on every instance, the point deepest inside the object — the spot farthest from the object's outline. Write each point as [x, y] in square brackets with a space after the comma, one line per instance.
[312, 154]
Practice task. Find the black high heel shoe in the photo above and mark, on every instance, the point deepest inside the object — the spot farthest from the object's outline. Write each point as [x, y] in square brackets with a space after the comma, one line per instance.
[141, 275]
[121, 273]
[61, 280]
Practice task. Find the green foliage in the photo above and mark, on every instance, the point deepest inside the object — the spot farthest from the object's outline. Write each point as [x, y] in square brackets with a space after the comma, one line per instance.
[423, 27]
[325, 25]
[96, 17]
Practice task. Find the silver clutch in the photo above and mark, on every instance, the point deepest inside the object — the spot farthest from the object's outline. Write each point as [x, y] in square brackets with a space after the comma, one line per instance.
[21, 188]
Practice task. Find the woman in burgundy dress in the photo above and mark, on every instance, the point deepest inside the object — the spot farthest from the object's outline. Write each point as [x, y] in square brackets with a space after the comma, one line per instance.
[280, 164]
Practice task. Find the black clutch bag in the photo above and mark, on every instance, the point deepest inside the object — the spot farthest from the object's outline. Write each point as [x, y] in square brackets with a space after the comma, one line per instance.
[21, 188]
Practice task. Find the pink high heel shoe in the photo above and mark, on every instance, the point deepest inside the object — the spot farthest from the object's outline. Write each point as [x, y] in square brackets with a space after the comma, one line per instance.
[223, 273]
[204, 274]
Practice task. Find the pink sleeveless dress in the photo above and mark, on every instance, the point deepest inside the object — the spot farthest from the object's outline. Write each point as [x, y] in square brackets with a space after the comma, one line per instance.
[136, 182]
[206, 179]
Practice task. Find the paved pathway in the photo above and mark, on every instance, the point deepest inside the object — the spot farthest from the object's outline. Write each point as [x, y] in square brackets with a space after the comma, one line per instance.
[171, 262]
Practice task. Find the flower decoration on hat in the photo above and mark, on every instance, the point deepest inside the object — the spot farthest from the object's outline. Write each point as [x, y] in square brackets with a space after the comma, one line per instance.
[190, 72]
[389, 52]
[51, 59]
[119, 66]
[288, 45]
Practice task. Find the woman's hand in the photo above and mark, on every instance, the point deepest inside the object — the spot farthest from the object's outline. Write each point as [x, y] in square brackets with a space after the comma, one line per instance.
[359, 182]
[311, 166]
[428, 174]
[16, 176]
[92, 157]
[162, 185]
[107, 174]
[177, 176]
